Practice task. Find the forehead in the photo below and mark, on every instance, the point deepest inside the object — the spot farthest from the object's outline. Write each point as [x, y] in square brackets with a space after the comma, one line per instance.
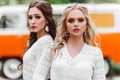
[75, 13]
[34, 10]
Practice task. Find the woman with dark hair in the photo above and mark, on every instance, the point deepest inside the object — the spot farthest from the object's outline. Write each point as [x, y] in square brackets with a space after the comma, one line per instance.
[43, 31]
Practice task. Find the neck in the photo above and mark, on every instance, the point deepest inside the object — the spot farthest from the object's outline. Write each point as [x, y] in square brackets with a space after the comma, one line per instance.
[41, 33]
[74, 41]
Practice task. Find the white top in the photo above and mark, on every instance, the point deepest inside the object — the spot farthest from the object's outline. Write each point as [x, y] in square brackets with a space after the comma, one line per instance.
[33, 55]
[87, 65]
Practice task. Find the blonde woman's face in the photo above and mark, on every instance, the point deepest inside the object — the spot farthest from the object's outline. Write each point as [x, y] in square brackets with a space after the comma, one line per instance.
[76, 23]
[36, 20]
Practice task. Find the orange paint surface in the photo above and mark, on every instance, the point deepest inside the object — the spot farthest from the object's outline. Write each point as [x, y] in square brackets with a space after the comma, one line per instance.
[103, 19]
[12, 45]
[110, 45]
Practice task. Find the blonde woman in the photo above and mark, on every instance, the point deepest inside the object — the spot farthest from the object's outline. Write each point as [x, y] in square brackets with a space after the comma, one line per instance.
[73, 56]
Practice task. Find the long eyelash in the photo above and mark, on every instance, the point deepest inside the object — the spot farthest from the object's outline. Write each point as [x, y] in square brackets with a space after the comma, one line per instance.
[81, 19]
[70, 20]
[29, 17]
[38, 17]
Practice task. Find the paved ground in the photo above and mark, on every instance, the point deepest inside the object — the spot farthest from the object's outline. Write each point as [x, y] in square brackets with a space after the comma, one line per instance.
[112, 78]
[115, 77]
[1, 78]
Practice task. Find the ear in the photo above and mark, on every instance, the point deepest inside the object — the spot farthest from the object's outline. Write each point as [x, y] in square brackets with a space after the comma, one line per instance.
[87, 25]
[46, 22]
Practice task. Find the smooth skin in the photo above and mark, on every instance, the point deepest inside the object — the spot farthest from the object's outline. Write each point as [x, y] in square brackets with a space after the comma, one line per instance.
[76, 26]
[37, 21]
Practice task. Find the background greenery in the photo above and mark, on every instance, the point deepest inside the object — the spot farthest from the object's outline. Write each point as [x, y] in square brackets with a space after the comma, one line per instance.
[16, 2]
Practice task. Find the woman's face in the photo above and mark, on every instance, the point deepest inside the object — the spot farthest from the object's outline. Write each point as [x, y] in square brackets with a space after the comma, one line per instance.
[76, 23]
[36, 20]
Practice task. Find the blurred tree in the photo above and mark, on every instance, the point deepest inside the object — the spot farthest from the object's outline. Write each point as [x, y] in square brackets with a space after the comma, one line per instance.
[58, 1]
[14, 2]
[103, 1]
[82, 1]
[78, 1]
[4, 2]
[21, 1]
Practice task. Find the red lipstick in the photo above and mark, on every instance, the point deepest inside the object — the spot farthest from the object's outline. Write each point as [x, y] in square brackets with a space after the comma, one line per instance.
[33, 27]
[76, 30]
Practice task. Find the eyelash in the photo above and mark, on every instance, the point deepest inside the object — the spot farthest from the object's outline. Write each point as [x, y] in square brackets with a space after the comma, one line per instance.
[72, 20]
[81, 20]
[29, 17]
[36, 17]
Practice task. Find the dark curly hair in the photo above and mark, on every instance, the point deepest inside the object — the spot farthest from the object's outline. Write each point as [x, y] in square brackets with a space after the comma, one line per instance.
[47, 12]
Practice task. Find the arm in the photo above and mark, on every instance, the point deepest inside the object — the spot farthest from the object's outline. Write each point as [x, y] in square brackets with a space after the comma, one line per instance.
[43, 66]
[98, 71]
[42, 57]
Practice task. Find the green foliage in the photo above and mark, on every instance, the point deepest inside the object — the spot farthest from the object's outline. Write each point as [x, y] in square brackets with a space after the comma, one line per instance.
[78, 1]
[116, 68]
[105, 1]
[21, 1]
[66, 1]
[4, 2]
[58, 1]
[14, 2]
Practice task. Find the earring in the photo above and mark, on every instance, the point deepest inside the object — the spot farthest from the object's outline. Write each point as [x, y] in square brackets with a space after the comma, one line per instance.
[46, 28]
[85, 32]
[67, 34]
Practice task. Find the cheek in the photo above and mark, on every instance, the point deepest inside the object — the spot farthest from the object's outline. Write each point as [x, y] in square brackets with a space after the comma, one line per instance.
[67, 24]
[29, 22]
[69, 27]
[83, 28]
[84, 25]
[41, 23]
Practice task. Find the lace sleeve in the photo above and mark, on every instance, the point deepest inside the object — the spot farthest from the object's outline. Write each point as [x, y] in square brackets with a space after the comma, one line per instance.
[98, 71]
[43, 66]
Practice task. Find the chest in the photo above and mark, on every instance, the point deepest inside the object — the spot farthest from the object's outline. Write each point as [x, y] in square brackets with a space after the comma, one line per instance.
[63, 65]
[73, 51]
[29, 56]
[83, 61]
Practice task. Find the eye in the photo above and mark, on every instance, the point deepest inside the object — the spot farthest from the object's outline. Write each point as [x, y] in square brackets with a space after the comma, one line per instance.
[70, 20]
[81, 20]
[30, 17]
[37, 17]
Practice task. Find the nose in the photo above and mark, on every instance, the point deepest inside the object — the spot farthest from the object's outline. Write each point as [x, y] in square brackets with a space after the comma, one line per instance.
[33, 20]
[76, 23]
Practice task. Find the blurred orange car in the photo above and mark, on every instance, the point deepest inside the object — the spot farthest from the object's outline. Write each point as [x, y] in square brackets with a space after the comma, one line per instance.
[14, 34]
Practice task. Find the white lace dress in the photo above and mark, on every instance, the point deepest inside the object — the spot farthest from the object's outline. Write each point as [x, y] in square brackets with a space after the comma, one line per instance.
[87, 65]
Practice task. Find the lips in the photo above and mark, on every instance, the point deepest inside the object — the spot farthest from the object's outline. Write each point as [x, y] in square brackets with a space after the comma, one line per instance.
[33, 27]
[76, 30]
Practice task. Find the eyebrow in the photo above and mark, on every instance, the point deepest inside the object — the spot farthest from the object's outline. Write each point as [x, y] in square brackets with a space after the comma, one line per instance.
[76, 18]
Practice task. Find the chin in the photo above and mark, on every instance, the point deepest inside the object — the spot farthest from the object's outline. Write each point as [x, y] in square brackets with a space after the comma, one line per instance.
[77, 35]
[33, 31]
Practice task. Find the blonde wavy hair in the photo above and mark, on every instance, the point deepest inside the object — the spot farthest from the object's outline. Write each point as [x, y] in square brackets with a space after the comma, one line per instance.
[61, 30]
